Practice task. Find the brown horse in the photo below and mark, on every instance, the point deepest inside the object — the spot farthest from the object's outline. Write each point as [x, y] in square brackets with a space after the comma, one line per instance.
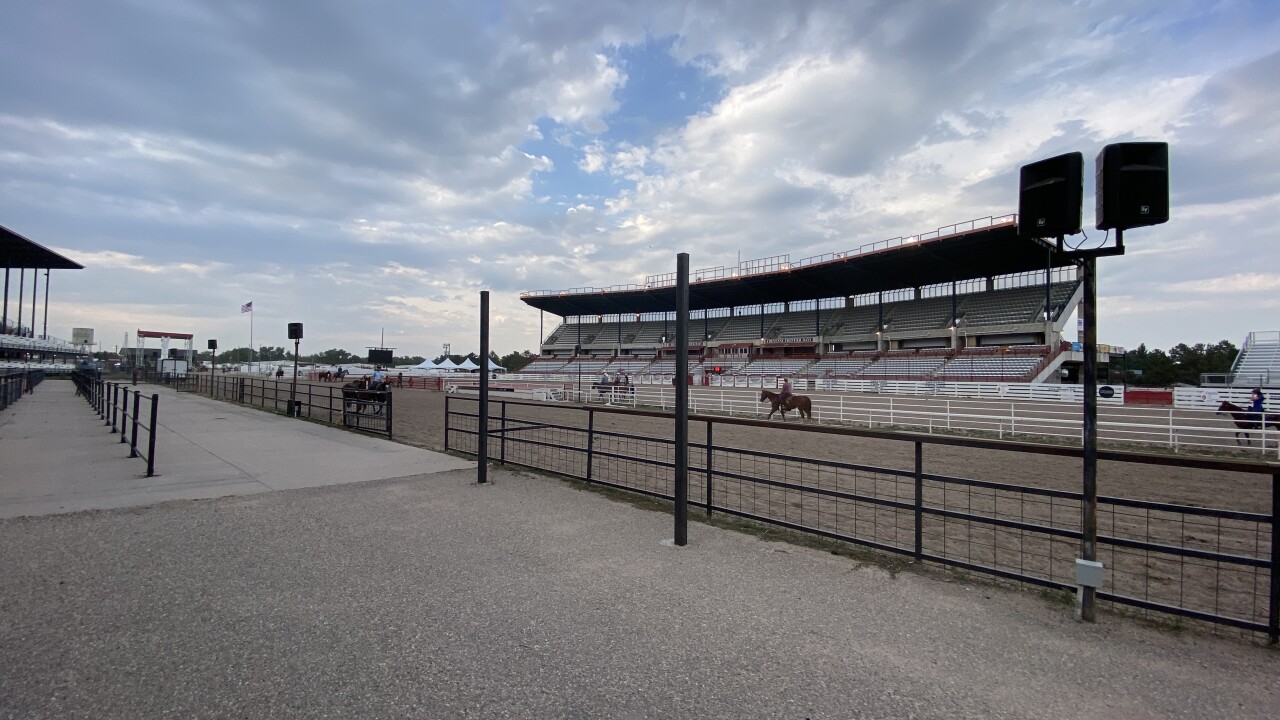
[1247, 420]
[358, 393]
[799, 403]
[325, 376]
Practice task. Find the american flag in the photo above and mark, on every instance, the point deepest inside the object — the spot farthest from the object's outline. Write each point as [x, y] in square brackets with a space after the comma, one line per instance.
[247, 307]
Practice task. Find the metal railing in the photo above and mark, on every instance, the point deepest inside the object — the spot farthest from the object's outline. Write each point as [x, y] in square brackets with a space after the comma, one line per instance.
[1214, 565]
[15, 383]
[1049, 413]
[368, 411]
[112, 402]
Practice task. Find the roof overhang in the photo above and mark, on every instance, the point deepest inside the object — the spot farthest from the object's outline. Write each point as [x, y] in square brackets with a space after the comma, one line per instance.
[17, 251]
[986, 252]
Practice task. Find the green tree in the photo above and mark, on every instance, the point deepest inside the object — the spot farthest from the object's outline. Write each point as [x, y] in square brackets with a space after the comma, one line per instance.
[516, 360]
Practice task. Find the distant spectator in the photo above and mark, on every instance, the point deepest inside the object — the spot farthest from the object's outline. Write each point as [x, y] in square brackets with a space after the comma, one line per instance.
[399, 379]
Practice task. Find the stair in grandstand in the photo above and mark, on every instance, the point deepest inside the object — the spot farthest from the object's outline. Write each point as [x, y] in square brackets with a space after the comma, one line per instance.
[1259, 360]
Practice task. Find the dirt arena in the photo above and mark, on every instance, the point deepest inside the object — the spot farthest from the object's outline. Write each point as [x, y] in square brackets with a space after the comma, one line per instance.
[880, 468]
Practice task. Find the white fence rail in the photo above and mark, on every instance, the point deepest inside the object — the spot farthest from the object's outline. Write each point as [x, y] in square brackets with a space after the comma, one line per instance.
[1024, 411]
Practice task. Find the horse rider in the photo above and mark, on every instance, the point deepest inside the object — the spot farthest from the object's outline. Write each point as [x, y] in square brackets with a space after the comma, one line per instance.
[604, 378]
[378, 377]
[785, 394]
[1256, 398]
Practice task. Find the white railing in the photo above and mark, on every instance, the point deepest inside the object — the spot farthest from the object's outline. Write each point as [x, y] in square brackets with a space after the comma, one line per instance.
[1025, 411]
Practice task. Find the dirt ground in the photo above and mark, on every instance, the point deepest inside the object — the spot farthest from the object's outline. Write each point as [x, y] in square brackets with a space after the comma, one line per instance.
[880, 469]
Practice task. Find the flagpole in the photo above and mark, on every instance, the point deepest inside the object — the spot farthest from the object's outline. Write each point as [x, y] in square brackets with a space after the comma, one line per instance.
[251, 339]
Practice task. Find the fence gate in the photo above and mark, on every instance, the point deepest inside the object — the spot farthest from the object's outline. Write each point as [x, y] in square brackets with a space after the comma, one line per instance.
[368, 410]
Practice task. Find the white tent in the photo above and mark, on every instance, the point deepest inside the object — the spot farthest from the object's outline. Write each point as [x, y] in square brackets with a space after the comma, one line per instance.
[495, 366]
[427, 365]
[447, 364]
[468, 365]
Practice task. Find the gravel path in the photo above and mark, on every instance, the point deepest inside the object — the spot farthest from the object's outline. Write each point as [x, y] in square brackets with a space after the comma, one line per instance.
[529, 598]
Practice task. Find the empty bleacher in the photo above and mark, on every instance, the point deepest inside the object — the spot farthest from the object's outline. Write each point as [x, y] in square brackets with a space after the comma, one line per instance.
[793, 325]
[544, 365]
[903, 366]
[1259, 360]
[988, 367]
[919, 315]
[743, 327]
[779, 366]
[851, 322]
[840, 366]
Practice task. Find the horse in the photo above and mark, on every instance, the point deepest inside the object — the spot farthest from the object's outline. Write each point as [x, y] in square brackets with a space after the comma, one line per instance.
[613, 389]
[325, 376]
[1247, 420]
[357, 393]
[799, 403]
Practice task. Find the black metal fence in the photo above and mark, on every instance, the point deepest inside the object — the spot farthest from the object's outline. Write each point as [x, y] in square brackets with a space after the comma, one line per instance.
[123, 408]
[368, 411]
[13, 383]
[1208, 564]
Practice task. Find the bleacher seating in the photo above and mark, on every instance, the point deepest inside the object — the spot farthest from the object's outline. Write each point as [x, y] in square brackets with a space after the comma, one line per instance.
[793, 325]
[743, 327]
[903, 366]
[779, 366]
[851, 322]
[630, 366]
[839, 366]
[1259, 360]
[919, 315]
[1010, 368]
[544, 365]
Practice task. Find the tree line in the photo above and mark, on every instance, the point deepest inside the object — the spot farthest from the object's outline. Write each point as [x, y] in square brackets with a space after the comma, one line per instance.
[1181, 364]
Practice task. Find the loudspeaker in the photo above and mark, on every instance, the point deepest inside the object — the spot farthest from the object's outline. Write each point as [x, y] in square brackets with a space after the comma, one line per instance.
[213, 344]
[1050, 197]
[1132, 185]
[295, 331]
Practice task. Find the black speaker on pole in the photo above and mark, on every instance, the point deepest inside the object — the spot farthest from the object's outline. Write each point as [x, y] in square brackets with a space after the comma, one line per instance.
[213, 344]
[1050, 196]
[1132, 185]
[295, 331]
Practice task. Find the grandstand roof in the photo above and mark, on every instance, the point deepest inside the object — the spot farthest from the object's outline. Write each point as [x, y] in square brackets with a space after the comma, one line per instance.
[19, 252]
[906, 262]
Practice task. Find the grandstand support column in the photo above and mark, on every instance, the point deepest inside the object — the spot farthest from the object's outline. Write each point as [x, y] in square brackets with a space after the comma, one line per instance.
[44, 332]
[35, 291]
[4, 324]
[682, 401]
[1089, 510]
[22, 289]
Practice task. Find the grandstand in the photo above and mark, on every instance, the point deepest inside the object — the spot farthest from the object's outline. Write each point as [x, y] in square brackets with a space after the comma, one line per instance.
[1257, 364]
[967, 302]
[28, 346]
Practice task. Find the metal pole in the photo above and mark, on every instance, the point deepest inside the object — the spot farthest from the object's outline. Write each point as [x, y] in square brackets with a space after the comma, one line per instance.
[151, 441]
[133, 439]
[709, 471]
[44, 333]
[293, 388]
[482, 446]
[35, 292]
[919, 501]
[4, 324]
[682, 400]
[591, 437]
[124, 416]
[22, 289]
[1089, 509]
[502, 445]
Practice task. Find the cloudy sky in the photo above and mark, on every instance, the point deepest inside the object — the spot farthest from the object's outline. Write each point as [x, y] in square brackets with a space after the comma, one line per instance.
[374, 165]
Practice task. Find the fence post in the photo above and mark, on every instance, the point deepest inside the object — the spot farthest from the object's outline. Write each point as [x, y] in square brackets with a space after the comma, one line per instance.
[124, 416]
[389, 416]
[591, 427]
[502, 441]
[133, 442]
[151, 440]
[919, 476]
[709, 453]
[446, 422]
[1273, 615]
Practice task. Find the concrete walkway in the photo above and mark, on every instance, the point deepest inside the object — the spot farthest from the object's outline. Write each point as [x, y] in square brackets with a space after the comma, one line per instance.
[57, 456]
[433, 597]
